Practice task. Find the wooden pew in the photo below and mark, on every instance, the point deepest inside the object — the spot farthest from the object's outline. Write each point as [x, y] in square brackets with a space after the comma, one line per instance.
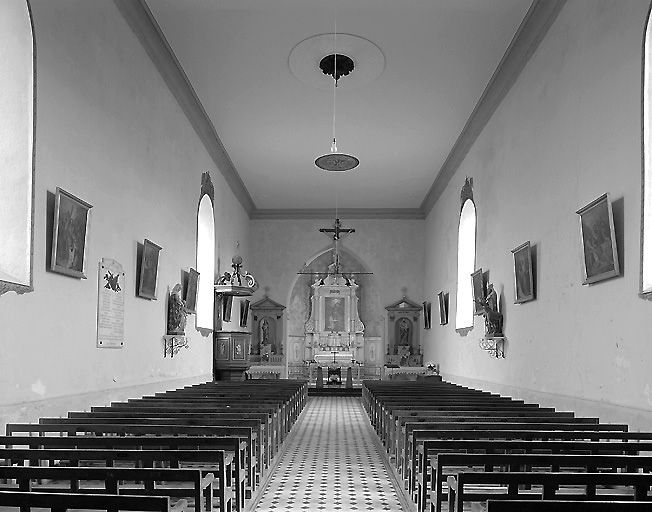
[597, 486]
[507, 446]
[198, 488]
[566, 506]
[57, 502]
[210, 461]
[419, 438]
[444, 464]
[234, 449]
[243, 434]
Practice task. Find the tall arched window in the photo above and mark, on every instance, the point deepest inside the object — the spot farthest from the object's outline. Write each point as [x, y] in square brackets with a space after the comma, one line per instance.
[465, 258]
[17, 104]
[646, 202]
[205, 254]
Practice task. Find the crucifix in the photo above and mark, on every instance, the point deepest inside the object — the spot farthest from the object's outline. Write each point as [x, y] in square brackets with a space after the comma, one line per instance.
[336, 230]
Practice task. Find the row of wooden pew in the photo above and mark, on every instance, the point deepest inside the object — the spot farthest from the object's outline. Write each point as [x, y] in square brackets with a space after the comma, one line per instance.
[456, 447]
[202, 448]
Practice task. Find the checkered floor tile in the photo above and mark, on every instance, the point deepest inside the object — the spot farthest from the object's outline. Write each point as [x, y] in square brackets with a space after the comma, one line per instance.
[331, 463]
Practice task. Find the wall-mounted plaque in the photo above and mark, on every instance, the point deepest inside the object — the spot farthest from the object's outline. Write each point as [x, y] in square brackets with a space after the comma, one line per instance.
[110, 305]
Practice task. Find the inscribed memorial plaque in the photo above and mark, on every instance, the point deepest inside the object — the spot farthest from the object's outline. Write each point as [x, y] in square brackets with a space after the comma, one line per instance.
[111, 305]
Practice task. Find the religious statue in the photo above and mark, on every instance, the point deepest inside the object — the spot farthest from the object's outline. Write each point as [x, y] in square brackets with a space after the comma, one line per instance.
[176, 312]
[264, 332]
[404, 332]
[493, 319]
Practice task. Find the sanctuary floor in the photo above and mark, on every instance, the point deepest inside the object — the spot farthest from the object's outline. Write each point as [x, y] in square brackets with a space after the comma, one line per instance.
[332, 460]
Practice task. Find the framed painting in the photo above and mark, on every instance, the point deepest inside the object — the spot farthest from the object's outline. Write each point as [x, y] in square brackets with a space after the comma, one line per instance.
[427, 315]
[598, 238]
[69, 234]
[479, 293]
[191, 291]
[244, 312]
[523, 275]
[239, 349]
[148, 270]
[443, 308]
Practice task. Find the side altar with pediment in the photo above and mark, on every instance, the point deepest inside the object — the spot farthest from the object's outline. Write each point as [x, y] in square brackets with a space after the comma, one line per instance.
[334, 329]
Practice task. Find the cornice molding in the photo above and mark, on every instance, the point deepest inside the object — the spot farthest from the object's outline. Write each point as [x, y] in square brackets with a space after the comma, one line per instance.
[149, 33]
[344, 213]
[533, 28]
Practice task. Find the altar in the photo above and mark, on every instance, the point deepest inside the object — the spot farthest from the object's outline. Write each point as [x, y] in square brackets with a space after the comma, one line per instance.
[334, 333]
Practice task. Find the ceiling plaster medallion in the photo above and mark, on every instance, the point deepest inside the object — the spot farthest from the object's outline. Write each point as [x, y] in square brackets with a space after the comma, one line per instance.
[305, 57]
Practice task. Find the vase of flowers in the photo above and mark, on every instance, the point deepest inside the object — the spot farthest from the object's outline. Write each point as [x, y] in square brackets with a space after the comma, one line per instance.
[432, 368]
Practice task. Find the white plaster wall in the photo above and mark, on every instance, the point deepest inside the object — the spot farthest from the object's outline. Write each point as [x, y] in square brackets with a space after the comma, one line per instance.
[392, 249]
[568, 131]
[110, 132]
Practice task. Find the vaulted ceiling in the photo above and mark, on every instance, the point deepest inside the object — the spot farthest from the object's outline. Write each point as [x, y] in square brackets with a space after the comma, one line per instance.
[438, 55]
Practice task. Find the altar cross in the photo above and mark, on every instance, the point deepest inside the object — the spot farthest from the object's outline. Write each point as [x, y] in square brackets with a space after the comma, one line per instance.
[336, 230]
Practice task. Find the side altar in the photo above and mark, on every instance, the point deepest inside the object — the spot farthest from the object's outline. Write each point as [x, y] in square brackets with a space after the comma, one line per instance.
[334, 324]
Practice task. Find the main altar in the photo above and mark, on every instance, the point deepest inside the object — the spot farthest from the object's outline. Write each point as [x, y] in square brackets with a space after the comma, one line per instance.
[334, 334]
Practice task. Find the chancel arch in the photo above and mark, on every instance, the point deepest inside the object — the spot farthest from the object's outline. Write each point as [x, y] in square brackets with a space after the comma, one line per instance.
[370, 309]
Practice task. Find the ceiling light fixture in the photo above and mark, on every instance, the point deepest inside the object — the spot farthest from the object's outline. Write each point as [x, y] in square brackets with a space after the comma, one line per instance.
[336, 161]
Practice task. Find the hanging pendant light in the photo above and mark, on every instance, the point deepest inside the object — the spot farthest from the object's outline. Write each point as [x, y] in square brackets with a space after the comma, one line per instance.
[336, 161]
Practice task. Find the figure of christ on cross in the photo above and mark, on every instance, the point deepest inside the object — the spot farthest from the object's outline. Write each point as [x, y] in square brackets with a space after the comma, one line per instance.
[336, 230]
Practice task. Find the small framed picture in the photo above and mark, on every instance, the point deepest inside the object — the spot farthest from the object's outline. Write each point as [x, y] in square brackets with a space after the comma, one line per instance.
[244, 312]
[148, 270]
[523, 275]
[427, 315]
[238, 349]
[443, 308]
[191, 291]
[479, 293]
[69, 234]
[598, 238]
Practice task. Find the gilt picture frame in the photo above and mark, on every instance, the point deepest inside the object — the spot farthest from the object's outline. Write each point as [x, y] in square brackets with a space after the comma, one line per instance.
[523, 273]
[148, 270]
[70, 234]
[479, 293]
[598, 241]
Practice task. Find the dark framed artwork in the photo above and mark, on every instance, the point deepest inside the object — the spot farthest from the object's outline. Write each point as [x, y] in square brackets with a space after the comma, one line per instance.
[443, 308]
[427, 315]
[244, 312]
[191, 291]
[479, 293]
[227, 304]
[238, 349]
[69, 234]
[523, 275]
[598, 238]
[148, 270]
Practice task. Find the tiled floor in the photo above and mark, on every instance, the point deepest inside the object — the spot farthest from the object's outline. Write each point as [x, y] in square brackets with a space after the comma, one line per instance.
[332, 462]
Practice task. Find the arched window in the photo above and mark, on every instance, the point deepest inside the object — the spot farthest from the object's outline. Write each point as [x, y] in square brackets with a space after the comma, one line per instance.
[646, 202]
[17, 105]
[205, 254]
[465, 259]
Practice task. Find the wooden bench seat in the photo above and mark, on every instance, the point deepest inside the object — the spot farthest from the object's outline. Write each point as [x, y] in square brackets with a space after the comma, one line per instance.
[209, 461]
[419, 483]
[189, 484]
[445, 464]
[571, 486]
[234, 449]
[566, 506]
[58, 502]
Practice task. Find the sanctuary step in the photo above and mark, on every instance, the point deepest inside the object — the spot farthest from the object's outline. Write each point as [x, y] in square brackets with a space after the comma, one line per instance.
[335, 391]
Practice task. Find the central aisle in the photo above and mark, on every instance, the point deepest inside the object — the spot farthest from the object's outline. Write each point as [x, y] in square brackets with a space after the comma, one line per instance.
[333, 461]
